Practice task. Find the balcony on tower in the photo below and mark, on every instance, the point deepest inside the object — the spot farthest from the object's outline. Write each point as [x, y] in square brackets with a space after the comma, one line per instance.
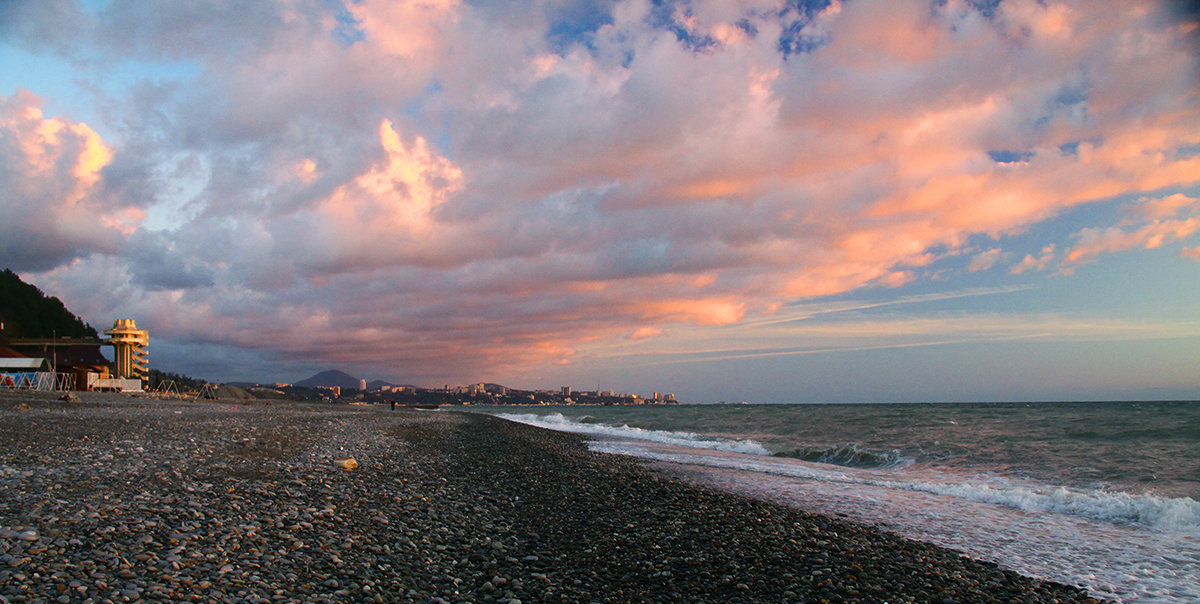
[129, 349]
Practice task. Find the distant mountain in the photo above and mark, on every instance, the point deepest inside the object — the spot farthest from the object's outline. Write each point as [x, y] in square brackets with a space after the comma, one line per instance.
[330, 379]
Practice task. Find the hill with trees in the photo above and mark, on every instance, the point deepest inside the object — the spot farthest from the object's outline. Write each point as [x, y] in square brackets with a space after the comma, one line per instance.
[183, 383]
[28, 313]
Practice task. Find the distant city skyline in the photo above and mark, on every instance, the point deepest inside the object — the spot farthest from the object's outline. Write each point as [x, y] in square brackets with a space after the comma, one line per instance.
[768, 200]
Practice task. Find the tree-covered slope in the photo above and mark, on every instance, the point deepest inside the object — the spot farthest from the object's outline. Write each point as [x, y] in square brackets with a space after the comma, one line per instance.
[29, 313]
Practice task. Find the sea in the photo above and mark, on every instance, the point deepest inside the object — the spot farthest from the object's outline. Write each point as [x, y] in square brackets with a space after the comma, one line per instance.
[1103, 495]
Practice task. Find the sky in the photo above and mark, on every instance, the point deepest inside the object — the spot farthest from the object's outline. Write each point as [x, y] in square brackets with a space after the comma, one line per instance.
[763, 200]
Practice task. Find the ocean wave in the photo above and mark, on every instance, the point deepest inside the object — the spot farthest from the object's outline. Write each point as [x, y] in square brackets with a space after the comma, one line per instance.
[851, 455]
[1168, 514]
[1173, 514]
[557, 421]
[886, 469]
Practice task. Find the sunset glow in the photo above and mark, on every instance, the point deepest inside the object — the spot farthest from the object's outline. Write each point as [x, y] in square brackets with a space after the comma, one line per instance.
[631, 193]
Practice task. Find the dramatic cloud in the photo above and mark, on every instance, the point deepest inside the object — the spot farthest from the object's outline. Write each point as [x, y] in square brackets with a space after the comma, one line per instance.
[53, 206]
[453, 190]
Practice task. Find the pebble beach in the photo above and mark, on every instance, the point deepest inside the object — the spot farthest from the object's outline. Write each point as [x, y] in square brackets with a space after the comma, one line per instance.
[111, 498]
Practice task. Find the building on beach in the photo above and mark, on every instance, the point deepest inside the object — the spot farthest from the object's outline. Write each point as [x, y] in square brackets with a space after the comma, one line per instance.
[73, 361]
[78, 363]
[129, 349]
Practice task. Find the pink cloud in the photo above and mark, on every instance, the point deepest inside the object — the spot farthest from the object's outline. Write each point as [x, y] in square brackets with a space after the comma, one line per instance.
[381, 213]
[411, 30]
[53, 206]
[45, 144]
[1151, 223]
[986, 259]
[1095, 242]
[1167, 207]
[643, 333]
[450, 194]
[702, 312]
[1038, 263]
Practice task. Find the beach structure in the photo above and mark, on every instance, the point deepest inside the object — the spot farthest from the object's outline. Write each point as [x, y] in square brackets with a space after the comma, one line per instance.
[70, 363]
[129, 349]
[8, 364]
[75, 361]
[25, 373]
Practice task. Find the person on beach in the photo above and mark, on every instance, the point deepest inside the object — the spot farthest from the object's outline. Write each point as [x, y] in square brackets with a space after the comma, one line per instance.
[393, 405]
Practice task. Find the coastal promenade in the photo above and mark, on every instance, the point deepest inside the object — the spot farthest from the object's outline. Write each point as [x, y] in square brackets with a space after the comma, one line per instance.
[118, 499]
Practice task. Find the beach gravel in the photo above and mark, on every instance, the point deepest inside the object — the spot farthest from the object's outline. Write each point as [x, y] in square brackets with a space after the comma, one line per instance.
[121, 499]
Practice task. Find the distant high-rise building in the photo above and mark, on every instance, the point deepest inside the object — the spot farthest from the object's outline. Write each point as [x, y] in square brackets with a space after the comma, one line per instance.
[362, 384]
[566, 391]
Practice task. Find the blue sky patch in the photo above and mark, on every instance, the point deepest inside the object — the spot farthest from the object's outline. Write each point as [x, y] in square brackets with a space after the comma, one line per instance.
[347, 31]
[1010, 157]
[576, 23]
[662, 16]
[794, 40]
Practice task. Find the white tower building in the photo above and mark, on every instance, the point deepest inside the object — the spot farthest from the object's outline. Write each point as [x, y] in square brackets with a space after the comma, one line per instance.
[129, 347]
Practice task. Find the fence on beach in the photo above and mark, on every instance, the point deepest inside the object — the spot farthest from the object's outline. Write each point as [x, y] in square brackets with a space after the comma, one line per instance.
[37, 380]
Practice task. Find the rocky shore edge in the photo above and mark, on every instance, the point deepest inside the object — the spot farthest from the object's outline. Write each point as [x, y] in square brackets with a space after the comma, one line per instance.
[111, 498]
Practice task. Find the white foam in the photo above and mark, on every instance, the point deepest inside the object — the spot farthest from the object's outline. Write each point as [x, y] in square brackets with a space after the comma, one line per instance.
[1176, 514]
[1122, 547]
[1164, 513]
[1119, 546]
[556, 421]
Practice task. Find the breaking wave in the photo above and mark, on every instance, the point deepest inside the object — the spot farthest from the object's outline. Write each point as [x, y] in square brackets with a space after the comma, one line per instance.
[851, 455]
[885, 469]
[588, 425]
[1170, 514]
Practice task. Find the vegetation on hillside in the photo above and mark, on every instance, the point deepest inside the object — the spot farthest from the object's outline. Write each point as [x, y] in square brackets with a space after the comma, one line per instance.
[183, 383]
[29, 313]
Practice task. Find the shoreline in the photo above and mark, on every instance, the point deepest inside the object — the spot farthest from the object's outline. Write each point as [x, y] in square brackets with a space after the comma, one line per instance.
[121, 498]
